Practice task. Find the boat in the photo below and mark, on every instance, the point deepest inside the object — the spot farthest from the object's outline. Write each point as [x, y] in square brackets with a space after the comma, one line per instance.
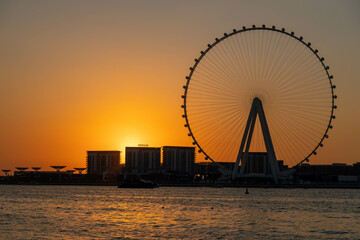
[138, 183]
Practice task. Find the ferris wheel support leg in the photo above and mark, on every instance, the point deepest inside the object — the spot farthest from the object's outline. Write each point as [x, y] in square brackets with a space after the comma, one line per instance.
[242, 145]
[246, 153]
[256, 110]
[267, 139]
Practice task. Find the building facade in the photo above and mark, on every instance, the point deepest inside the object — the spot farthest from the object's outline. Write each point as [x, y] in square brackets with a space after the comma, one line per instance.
[103, 163]
[328, 173]
[142, 160]
[257, 163]
[179, 159]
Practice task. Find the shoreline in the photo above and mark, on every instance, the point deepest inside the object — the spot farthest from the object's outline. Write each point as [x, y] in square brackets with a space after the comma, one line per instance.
[213, 185]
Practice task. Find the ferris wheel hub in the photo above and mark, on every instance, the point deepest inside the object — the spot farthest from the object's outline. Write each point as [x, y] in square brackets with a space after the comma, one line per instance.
[257, 100]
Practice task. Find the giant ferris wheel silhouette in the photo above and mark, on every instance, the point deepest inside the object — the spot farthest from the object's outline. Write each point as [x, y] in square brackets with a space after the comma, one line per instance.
[259, 89]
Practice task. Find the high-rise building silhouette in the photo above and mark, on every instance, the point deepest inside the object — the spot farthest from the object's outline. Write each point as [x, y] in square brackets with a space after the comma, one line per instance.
[179, 159]
[103, 163]
[142, 160]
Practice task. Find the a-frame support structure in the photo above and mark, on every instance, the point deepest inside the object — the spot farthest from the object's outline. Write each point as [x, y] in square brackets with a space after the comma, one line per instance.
[256, 110]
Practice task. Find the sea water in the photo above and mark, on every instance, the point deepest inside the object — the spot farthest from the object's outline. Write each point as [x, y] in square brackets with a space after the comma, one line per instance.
[99, 212]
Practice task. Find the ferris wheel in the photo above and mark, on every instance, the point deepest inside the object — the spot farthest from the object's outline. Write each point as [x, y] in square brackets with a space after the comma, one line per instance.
[263, 73]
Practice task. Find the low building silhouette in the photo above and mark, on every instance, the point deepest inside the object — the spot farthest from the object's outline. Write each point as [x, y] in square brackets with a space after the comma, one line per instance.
[209, 171]
[328, 173]
[47, 177]
[258, 164]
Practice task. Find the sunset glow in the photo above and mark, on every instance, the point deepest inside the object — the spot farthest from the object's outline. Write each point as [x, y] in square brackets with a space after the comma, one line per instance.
[105, 75]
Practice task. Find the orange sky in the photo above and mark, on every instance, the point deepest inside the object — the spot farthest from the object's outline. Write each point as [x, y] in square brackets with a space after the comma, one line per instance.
[102, 75]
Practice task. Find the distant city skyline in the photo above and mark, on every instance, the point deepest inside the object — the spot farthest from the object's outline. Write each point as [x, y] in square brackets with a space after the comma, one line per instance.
[77, 76]
[122, 160]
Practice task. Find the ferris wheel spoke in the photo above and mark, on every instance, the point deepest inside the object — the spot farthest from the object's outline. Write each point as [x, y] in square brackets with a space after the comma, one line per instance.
[216, 120]
[224, 79]
[224, 67]
[215, 84]
[243, 56]
[297, 73]
[219, 133]
[303, 124]
[292, 149]
[239, 60]
[301, 78]
[291, 62]
[279, 55]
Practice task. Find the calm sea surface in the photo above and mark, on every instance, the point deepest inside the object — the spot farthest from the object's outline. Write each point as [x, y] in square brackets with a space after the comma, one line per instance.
[97, 212]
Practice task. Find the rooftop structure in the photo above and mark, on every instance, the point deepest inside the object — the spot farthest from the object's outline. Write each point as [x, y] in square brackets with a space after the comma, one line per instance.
[80, 170]
[21, 168]
[58, 168]
[6, 171]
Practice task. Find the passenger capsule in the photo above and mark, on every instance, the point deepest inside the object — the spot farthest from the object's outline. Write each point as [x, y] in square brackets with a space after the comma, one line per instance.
[301, 38]
[333, 86]
[202, 52]
[253, 26]
[273, 27]
[263, 26]
[225, 34]
[331, 77]
[183, 115]
[309, 44]
[187, 77]
[327, 67]
[334, 107]
[315, 153]
[216, 39]
[194, 143]
[292, 33]
[191, 68]
[189, 134]
[182, 96]
[199, 151]
[322, 59]
[182, 106]
[244, 28]
[321, 145]
[283, 29]
[206, 158]
[184, 87]
[333, 117]
[327, 136]
[234, 30]
[186, 125]
[335, 96]
[209, 45]
[316, 51]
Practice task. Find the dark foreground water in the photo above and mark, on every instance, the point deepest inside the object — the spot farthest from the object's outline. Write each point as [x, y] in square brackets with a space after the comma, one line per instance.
[96, 212]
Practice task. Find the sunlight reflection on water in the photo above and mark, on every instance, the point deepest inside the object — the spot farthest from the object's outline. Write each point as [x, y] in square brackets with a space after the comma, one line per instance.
[96, 212]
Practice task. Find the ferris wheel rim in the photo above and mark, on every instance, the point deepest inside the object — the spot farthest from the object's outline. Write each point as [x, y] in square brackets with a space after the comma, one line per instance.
[263, 28]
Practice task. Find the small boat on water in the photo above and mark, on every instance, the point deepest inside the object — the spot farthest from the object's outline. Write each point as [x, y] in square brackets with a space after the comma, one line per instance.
[138, 183]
